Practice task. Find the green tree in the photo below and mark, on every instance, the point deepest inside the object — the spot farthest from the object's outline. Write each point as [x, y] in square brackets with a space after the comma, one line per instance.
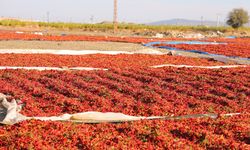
[237, 18]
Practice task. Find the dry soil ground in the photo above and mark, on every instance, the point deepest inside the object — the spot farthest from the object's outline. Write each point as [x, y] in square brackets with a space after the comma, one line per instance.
[72, 45]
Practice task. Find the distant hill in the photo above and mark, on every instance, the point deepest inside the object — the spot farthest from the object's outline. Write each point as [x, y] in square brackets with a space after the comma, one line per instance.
[185, 22]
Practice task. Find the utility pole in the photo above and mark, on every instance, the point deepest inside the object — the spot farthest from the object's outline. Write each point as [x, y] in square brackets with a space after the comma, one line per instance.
[225, 22]
[202, 20]
[218, 20]
[115, 22]
[48, 16]
[92, 19]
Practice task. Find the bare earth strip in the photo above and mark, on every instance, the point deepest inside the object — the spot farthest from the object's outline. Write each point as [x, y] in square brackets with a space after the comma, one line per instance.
[72, 45]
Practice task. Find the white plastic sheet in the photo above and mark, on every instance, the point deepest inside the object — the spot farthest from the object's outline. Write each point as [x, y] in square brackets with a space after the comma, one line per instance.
[51, 68]
[76, 52]
[9, 111]
[204, 67]
[10, 114]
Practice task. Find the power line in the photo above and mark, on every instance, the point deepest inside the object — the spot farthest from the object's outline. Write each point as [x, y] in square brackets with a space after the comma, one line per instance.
[202, 20]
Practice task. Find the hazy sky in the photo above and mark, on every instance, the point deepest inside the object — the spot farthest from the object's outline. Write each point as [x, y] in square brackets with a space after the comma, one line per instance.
[140, 11]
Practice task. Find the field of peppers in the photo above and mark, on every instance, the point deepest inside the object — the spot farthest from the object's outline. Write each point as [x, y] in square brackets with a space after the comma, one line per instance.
[11, 35]
[222, 133]
[131, 87]
[133, 91]
[240, 48]
[100, 60]
[144, 92]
